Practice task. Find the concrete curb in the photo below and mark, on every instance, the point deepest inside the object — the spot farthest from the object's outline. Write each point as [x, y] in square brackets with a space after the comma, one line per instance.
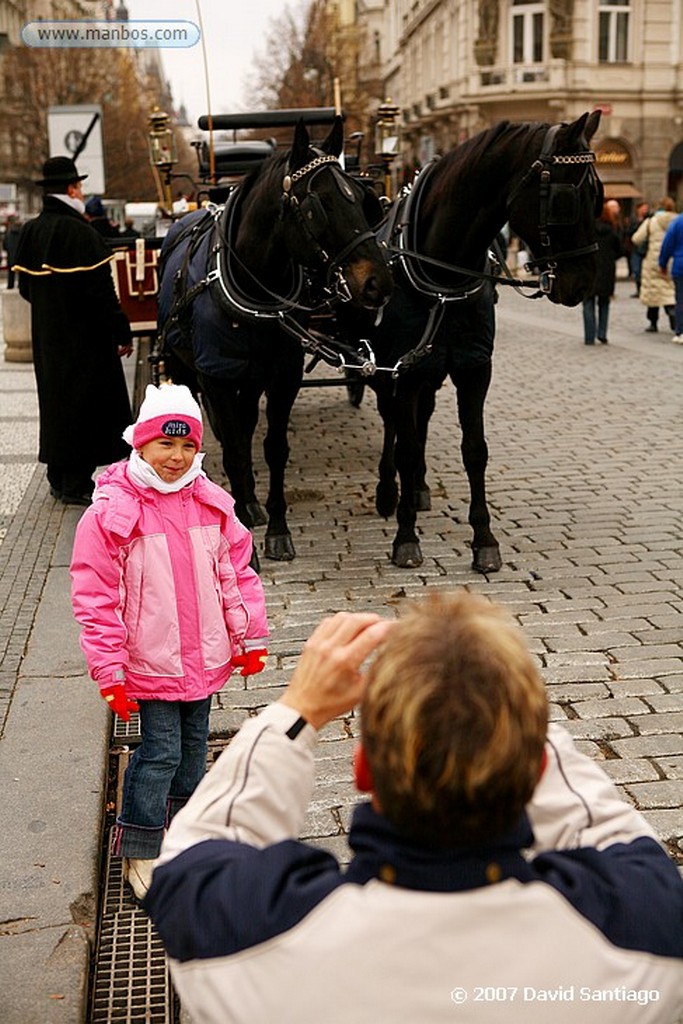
[53, 766]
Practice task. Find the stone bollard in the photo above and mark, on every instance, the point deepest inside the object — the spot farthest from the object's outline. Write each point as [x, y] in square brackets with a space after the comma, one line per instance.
[16, 326]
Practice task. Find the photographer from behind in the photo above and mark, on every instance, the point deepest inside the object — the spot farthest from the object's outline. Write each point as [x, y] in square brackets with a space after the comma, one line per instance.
[494, 866]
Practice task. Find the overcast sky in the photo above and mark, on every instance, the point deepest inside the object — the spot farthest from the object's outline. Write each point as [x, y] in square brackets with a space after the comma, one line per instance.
[234, 29]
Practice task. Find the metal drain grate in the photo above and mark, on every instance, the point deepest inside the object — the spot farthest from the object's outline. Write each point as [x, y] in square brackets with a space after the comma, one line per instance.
[131, 982]
[126, 732]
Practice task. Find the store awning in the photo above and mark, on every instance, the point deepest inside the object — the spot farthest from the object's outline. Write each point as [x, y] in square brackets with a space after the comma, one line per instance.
[621, 190]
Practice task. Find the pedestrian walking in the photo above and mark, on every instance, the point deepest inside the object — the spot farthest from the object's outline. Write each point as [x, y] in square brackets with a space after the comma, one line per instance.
[655, 291]
[99, 219]
[168, 606]
[495, 869]
[637, 251]
[79, 334]
[672, 251]
[609, 251]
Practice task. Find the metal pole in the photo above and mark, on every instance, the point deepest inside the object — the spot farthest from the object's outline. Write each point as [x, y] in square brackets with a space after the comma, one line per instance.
[209, 115]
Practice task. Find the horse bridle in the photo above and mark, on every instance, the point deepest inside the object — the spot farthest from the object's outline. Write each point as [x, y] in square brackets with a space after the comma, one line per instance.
[552, 197]
[311, 219]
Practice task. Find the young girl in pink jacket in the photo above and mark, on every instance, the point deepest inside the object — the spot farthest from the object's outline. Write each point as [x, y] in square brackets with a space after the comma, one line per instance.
[169, 606]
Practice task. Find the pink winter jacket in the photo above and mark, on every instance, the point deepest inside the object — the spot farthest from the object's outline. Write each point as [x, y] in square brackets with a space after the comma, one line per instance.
[162, 587]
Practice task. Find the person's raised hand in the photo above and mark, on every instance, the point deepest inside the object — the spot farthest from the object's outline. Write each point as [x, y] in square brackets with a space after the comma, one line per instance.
[328, 681]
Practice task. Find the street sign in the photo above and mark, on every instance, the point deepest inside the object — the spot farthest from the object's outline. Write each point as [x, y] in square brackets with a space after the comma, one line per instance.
[76, 131]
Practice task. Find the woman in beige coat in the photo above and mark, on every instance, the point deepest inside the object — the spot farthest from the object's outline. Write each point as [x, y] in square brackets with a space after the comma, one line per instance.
[655, 290]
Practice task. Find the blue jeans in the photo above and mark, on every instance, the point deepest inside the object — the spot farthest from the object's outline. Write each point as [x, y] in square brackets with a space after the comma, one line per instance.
[678, 285]
[589, 332]
[162, 774]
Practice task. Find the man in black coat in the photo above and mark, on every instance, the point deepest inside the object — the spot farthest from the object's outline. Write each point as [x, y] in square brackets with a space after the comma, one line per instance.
[79, 334]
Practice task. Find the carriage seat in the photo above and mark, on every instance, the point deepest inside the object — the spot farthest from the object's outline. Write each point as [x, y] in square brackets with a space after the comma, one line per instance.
[235, 159]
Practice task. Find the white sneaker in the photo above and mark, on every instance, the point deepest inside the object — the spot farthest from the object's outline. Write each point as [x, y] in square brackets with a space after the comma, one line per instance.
[677, 339]
[137, 871]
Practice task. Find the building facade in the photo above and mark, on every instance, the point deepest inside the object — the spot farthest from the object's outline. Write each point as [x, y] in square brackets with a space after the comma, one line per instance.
[455, 67]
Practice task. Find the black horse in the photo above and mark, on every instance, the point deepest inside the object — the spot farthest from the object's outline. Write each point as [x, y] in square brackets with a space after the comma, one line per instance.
[238, 284]
[440, 320]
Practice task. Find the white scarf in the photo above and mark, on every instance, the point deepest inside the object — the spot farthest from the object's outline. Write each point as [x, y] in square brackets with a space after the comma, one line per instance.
[142, 474]
[77, 204]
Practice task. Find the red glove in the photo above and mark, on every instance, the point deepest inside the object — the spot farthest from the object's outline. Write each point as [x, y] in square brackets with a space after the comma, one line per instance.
[250, 662]
[119, 702]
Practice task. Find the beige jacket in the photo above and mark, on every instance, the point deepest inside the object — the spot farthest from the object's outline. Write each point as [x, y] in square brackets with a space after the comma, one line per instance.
[654, 289]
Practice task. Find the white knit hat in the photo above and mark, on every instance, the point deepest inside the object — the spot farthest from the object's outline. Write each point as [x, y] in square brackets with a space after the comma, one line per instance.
[167, 411]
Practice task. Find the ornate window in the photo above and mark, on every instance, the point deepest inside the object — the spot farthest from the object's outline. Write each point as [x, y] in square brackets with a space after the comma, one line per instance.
[527, 32]
[613, 30]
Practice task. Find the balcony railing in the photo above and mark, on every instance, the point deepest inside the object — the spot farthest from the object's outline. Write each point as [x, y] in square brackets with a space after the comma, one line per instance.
[508, 75]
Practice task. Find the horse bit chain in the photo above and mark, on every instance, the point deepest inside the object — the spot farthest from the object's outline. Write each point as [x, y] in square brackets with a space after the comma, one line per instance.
[290, 179]
[575, 158]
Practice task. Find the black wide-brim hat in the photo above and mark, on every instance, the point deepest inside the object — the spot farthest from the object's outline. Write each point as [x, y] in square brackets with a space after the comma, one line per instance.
[60, 170]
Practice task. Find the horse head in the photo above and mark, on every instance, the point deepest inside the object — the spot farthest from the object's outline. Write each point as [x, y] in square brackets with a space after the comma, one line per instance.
[321, 223]
[553, 207]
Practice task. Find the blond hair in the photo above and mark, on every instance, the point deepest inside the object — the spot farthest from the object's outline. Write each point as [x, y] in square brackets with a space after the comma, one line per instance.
[454, 721]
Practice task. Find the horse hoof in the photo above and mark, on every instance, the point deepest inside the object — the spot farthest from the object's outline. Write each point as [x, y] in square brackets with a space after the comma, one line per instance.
[407, 555]
[280, 548]
[355, 391]
[256, 513]
[386, 499]
[486, 559]
[423, 500]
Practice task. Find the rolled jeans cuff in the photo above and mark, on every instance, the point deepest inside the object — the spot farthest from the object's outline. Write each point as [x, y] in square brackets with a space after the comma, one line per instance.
[136, 841]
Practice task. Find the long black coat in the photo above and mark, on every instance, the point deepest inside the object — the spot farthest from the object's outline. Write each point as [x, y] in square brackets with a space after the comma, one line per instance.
[609, 251]
[77, 325]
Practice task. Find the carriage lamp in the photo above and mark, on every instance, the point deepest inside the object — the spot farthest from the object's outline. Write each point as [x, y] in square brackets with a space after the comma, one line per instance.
[386, 138]
[162, 152]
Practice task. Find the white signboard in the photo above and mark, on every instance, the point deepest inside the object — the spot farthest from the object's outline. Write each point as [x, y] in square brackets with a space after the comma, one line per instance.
[77, 132]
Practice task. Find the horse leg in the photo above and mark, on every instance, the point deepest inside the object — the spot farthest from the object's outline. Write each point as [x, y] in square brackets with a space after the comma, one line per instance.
[278, 540]
[409, 454]
[248, 411]
[471, 387]
[386, 492]
[425, 409]
[232, 411]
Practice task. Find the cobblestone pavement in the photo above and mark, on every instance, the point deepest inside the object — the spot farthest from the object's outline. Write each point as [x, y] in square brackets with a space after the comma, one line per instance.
[585, 488]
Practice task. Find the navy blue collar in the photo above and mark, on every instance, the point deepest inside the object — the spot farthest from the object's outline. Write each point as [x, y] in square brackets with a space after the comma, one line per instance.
[382, 852]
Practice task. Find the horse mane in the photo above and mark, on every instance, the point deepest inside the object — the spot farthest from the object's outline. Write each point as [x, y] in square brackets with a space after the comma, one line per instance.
[269, 166]
[481, 151]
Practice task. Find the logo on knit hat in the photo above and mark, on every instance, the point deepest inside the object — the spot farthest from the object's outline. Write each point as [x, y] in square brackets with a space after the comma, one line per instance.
[176, 428]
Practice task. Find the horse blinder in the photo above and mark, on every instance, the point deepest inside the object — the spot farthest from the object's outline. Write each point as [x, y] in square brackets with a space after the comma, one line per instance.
[563, 205]
[313, 213]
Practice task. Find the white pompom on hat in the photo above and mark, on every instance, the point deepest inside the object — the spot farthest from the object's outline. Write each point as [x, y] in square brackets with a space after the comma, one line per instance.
[167, 411]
